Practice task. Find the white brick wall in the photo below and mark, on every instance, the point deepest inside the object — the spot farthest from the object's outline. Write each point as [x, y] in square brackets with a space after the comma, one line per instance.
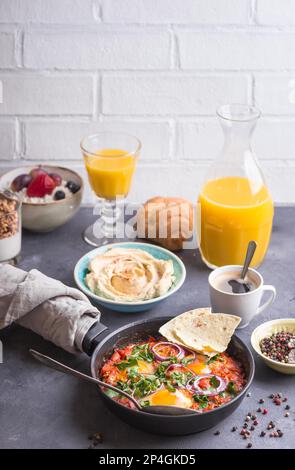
[154, 68]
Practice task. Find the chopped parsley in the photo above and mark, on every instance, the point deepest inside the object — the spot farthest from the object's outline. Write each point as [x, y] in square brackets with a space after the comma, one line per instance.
[217, 357]
[145, 403]
[231, 388]
[130, 362]
[202, 400]
[214, 381]
[142, 352]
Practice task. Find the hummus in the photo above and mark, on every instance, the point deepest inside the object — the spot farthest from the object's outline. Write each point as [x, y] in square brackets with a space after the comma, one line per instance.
[129, 275]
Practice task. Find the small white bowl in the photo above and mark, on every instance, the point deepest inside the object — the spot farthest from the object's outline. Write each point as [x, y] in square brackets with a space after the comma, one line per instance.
[47, 216]
[267, 329]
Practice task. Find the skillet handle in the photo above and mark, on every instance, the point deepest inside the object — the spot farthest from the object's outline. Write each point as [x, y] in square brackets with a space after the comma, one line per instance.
[90, 340]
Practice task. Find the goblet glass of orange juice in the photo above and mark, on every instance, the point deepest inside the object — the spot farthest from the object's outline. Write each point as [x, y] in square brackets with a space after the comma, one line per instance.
[110, 160]
[235, 204]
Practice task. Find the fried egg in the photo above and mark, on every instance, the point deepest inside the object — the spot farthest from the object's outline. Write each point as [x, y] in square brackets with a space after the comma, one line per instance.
[199, 368]
[166, 398]
[145, 367]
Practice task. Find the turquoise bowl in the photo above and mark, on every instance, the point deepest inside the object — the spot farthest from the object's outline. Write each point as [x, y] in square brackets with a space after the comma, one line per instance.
[81, 269]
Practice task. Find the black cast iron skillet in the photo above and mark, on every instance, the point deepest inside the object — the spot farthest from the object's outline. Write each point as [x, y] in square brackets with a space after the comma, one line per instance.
[100, 350]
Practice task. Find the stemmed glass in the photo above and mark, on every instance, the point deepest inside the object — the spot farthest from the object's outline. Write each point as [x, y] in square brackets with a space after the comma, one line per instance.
[110, 160]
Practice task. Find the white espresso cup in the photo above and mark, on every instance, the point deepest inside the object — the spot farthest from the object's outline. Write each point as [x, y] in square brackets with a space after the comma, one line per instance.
[245, 305]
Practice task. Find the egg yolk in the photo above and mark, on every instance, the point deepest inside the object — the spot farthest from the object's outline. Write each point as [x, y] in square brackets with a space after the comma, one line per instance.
[166, 398]
[145, 367]
[199, 368]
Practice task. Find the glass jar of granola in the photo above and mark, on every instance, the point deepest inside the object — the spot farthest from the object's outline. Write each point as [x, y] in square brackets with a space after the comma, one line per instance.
[10, 226]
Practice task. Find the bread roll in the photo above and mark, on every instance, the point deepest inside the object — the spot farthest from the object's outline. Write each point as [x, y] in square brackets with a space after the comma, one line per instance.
[167, 221]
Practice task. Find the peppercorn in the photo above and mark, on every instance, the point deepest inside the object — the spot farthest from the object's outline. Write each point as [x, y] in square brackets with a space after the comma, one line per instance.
[264, 411]
[287, 407]
[216, 433]
[249, 445]
[262, 434]
[255, 422]
[261, 400]
[252, 428]
[287, 415]
[258, 410]
[234, 428]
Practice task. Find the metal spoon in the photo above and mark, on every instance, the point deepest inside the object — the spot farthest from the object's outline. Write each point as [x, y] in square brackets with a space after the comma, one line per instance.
[239, 286]
[168, 410]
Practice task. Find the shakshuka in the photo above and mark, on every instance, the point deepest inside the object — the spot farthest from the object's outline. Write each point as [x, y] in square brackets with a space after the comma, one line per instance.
[158, 372]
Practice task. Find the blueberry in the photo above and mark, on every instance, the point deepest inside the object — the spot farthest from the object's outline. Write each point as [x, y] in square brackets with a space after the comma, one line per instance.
[59, 195]
[72, 186]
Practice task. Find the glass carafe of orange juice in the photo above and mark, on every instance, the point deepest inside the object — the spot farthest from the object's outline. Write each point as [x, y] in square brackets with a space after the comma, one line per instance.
[235, 204]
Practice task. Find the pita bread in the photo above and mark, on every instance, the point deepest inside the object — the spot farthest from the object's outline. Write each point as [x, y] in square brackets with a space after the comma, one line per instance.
[201, 330]
[168, 329]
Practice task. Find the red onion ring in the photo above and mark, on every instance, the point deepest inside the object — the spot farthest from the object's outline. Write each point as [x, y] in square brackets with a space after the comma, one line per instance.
[195, 386]
[178, 365]
[159, 357]
[190, 353]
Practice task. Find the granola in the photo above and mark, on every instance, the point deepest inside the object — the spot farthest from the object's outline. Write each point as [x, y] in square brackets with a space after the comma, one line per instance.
[9, 220]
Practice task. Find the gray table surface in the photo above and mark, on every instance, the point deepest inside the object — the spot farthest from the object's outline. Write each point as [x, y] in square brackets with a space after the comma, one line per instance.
[41, 408]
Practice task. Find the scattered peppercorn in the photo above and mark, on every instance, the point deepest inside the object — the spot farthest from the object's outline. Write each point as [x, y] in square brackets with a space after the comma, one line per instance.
[261, 400]
[234, 428]
[216, 433]
[96, 439]
[255, 422]
[249, 394]
[252, 428]
[258, 410]
[262, 434]
[287, 415]
[249, 445]
[287, 407]
[285, 399]
[264, 411]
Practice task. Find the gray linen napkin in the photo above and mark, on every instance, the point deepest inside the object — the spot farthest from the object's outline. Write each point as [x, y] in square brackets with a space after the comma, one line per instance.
[59, 313]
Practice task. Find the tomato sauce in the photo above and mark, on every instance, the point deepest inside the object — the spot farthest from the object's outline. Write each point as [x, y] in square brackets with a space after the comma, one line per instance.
[159, 373]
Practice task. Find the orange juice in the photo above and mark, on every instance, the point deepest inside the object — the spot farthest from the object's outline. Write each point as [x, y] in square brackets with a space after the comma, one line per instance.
[110, 172]
[233, 213]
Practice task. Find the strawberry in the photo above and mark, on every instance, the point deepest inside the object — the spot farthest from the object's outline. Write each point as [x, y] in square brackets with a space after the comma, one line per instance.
[40, 186]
